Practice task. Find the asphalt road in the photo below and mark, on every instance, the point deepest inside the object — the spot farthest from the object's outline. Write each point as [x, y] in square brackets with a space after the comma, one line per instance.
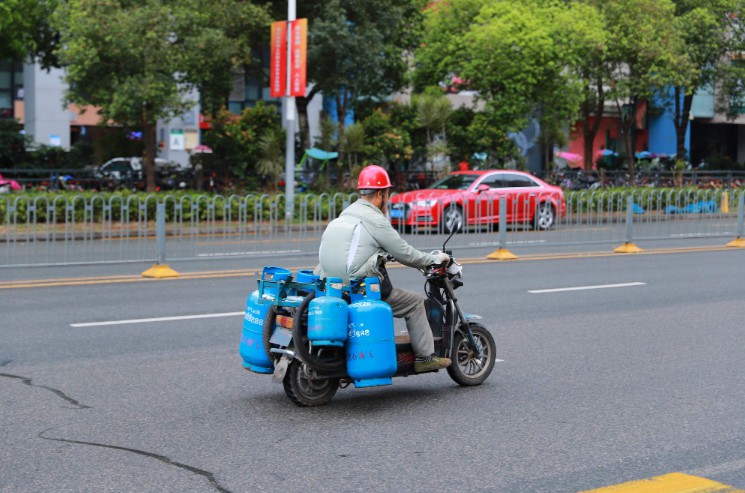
[638, 378]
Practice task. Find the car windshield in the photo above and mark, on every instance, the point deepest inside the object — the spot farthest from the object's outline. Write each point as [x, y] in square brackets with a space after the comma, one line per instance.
[455, 182]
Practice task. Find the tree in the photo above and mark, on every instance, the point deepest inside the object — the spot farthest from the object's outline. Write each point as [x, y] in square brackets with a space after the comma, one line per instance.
[588, 65]
[13, 145]
[138, 61]
[271, 163]
[711, 32]
[222, 34]
[433, 110]
[236, 140]
[25, 31]
[644, 56]
[356, 48]
[389, 143]
[354, 145]
[522, 58]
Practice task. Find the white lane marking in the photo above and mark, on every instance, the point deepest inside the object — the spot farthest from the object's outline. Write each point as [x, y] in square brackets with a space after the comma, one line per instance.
[581, 288]
[160, 319]
[243, 254]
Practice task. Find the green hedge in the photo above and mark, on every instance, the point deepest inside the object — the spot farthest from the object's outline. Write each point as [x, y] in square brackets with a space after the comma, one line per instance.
[90, 206]
[133, 206]
[647, 198]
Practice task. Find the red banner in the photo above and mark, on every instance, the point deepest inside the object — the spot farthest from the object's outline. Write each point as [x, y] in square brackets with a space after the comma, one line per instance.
[278, 65]
[298, 56]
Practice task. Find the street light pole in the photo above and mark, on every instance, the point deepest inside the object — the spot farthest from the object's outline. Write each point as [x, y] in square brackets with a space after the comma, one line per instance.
[289, 128]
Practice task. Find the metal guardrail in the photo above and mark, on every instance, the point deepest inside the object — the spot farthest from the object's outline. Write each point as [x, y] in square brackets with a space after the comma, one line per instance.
[49, 230]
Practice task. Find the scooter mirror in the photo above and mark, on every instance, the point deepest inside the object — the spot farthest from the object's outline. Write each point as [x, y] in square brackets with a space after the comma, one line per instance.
[455, 230]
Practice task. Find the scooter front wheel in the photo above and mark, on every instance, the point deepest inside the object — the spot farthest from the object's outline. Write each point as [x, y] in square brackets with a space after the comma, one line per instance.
[304, 390]
[467, 368]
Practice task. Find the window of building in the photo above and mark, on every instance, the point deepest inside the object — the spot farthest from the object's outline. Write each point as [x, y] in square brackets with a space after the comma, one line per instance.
[255, 84]
[11, 87]
[737, 105]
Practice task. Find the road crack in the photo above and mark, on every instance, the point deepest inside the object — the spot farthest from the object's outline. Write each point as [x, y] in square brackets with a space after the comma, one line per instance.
[59, 393]
[206, 474]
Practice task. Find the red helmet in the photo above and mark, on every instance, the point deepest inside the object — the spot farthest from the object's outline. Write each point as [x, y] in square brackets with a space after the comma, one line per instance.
[373, 177]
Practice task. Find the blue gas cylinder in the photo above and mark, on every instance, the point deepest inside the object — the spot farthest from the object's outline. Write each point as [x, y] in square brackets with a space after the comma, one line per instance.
[327, 316]
[307, 276]
[276, 274]
[371, 347]
[252, 338]
[252, 345]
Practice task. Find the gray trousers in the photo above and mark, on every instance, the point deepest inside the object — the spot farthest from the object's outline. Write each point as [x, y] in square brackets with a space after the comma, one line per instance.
[409, 305]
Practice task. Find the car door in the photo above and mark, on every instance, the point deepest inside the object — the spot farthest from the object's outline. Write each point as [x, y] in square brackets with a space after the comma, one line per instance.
[486, 203]
[523, 194]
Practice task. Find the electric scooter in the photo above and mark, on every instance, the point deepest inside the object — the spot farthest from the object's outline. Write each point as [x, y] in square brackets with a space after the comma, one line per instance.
[311, 373]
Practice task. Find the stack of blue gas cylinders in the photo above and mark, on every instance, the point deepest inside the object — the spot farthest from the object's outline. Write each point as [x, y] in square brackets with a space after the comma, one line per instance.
[363, 327]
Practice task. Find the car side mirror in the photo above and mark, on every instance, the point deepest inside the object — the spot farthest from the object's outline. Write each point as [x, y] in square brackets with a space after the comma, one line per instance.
[482, 188]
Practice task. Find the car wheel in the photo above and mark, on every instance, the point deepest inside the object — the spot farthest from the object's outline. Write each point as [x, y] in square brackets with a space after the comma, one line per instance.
[452, 219]
[545, 216]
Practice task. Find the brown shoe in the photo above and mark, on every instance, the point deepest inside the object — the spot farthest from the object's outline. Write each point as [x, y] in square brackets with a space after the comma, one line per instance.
[422, 365]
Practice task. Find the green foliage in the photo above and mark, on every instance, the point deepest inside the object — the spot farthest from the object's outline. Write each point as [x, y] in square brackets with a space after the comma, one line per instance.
[25, 31]
[356, 48]
[433, 110]
[113, 142]
[236, 142]
[389, 145]
[644, 57]
[614, 200]
[327, 139]
[521, 57]
[711, 30]
[124, 207]
[12, 144]
[139, 61]
[215, 38]
[18, 152]
[354, 146]
[271, 164]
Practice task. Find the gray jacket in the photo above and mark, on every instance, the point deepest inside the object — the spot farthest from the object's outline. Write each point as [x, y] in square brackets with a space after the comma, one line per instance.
[355, 243]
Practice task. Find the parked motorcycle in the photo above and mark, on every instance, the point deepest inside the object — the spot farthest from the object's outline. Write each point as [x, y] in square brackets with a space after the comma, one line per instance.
[316, 336]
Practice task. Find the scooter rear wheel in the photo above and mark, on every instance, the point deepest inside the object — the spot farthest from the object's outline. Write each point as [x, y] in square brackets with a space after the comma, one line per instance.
[467, 369]
[306, 391]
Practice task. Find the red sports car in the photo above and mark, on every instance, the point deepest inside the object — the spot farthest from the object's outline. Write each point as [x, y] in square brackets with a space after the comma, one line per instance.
[471, 198]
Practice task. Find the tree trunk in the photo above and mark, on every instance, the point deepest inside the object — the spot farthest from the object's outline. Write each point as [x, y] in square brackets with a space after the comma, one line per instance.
[302, 113]
[681, 119]
[149, 138]
[628, 138]
[341, 115]
[589, 132]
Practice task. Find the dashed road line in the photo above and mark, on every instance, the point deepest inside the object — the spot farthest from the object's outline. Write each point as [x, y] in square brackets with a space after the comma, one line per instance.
[583, 288]
[157, 319]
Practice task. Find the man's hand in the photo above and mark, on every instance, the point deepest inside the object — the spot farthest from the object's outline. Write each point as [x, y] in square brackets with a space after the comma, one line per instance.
[442, 258]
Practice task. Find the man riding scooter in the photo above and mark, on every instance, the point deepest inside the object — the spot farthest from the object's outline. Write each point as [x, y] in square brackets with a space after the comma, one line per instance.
[355, 246]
